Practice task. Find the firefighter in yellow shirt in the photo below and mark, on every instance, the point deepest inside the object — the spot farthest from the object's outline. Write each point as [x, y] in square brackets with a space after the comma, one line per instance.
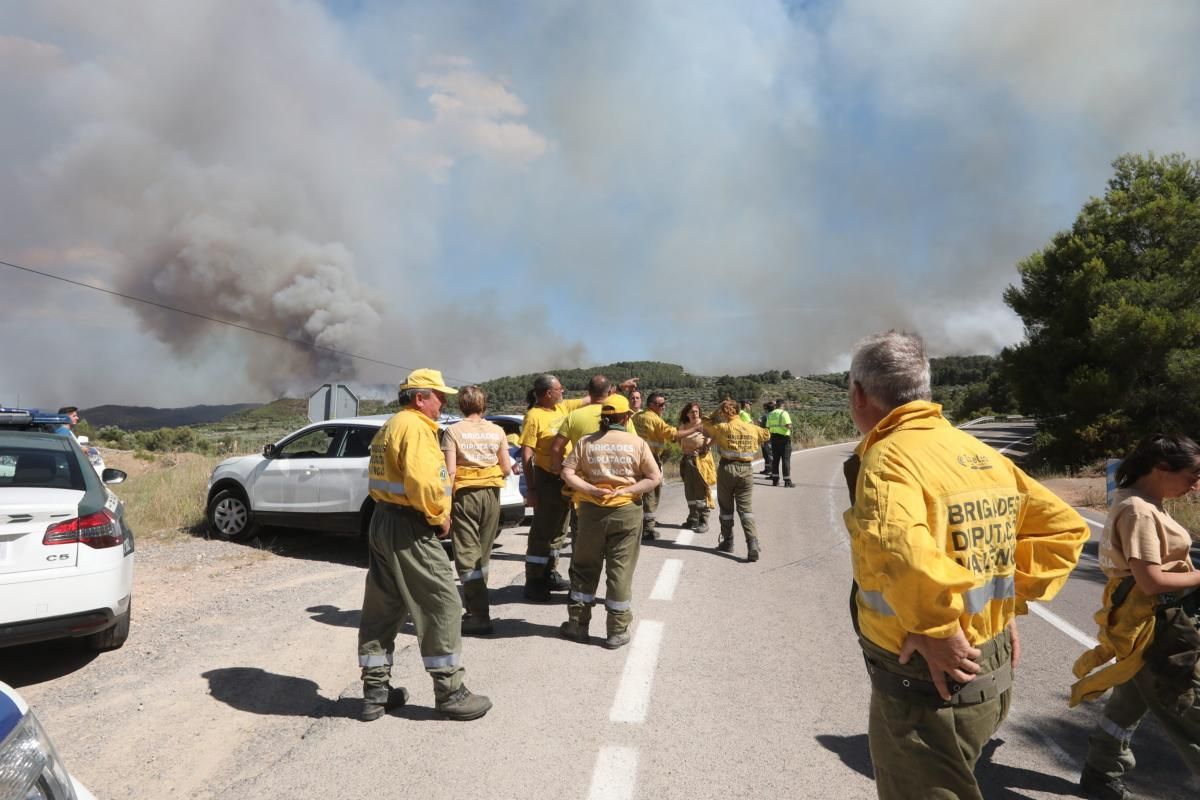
[407, 571]
[544, 487]
[650, 425]
[948, 541]
[608, 471]
[737, 443]
[477, 461]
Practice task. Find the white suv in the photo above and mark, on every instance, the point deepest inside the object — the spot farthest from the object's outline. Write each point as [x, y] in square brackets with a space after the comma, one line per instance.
[316, 478]
[66, 553]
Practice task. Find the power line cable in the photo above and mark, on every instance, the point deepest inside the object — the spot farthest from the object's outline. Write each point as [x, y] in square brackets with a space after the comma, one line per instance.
[217, 320]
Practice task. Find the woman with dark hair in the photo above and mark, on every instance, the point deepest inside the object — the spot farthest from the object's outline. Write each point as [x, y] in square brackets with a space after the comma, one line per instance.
[609, 471]
[695, 467]
[1148, 600]
[477, 462]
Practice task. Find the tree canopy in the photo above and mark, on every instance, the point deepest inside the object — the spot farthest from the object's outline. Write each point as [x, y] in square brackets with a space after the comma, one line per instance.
[1111, 310]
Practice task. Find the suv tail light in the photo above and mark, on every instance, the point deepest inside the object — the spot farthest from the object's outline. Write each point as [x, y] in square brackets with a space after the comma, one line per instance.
[97, 530]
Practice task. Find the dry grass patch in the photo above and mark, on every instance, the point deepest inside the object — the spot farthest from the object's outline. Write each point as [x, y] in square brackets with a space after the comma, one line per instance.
[166, 502]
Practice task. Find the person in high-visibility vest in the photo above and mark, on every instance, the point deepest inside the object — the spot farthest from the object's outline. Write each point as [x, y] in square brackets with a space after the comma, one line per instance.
[768, 407]
[654, 429]
[737, 444]
[779, 425]
[477, 463]
[408, 574]
[608, 471]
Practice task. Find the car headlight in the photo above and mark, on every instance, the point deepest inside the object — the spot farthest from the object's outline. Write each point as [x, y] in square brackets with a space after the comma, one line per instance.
[30, 768]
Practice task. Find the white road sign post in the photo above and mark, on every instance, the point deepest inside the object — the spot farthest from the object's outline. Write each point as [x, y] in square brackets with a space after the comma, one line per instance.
[332, 401]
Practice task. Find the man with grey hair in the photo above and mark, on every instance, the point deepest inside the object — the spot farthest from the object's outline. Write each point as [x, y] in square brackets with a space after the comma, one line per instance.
[408, 574]
[949, 540]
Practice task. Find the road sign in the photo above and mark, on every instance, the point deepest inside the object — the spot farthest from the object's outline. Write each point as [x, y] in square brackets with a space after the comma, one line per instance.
[332, 401]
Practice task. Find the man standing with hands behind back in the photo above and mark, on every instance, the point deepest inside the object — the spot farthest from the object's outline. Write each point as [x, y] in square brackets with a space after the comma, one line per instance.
[949, 541]
[408, 572]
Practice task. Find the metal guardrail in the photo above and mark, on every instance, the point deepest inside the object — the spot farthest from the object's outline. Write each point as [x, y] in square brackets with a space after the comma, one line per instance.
[997, 418]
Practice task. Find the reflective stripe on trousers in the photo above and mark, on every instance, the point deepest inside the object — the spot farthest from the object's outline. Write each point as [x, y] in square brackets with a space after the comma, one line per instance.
[473, 575]
[618, 605]
[384, 660]
[433, 662]
[580, 597]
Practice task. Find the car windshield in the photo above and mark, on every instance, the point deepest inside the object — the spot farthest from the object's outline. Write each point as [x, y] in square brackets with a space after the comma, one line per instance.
[26, 468]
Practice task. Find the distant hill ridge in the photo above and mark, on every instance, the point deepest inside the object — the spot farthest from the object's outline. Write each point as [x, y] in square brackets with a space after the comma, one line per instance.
[142, 418]
[816, 393]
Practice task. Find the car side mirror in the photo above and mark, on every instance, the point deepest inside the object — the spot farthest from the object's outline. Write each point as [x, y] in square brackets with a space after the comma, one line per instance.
[111, 475]
[82, 439]
[268, 451]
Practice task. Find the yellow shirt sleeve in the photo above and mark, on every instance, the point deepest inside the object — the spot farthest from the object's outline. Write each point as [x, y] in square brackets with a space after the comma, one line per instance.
[424, 471]
[1049, 541]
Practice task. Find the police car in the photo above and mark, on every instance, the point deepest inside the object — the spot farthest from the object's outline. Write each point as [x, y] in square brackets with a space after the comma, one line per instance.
[314, 478]
[30, 768]
[66, 552]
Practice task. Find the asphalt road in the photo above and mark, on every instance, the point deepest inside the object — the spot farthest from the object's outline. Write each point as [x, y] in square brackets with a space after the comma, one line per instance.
[743, 681]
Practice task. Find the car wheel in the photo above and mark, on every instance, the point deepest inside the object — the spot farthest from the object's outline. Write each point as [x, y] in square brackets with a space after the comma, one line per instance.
[114, 637]
[230, 517]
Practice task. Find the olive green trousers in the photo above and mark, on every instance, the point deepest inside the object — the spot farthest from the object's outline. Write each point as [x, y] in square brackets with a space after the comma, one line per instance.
[735, 488]
[474, 523]
[408, 574]
[548, 530]
[1108, 745]
[609, 541]
[928, 751]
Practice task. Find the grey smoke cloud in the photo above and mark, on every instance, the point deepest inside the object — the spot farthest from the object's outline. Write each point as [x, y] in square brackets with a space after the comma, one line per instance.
[732, 187]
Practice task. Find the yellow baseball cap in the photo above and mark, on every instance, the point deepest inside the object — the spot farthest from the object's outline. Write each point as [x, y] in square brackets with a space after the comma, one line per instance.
[615, 404]
[427, 379]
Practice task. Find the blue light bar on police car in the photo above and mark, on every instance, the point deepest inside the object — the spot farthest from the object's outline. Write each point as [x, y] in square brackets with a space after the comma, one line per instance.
[26, 417]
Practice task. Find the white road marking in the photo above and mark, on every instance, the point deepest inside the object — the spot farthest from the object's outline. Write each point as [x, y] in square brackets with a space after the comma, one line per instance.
[1063, 625]
[615, 775]
[668, 579]
[685, 538]
[633, 694]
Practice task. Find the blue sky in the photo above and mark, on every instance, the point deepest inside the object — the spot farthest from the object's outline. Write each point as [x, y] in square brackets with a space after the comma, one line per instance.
[492, 188]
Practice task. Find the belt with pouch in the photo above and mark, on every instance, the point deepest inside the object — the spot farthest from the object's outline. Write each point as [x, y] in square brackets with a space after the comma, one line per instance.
[984, 687]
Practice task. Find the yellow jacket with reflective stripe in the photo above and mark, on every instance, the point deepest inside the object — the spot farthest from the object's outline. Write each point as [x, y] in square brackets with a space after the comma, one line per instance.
[1125, 633]
[407, 467]
[736, 440]
[947, 533]
[654, 429]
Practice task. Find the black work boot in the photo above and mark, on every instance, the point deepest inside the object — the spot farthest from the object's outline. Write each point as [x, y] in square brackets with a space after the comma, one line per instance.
[473, 625]
[462, 705]
[537, 590]
[702, 521]
[691, 521]
[725, 543]
[1098, 786]
[649, 532]
[774, 481]
[752, 548]
[787, 482]
[557, 582]
[378, 700]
